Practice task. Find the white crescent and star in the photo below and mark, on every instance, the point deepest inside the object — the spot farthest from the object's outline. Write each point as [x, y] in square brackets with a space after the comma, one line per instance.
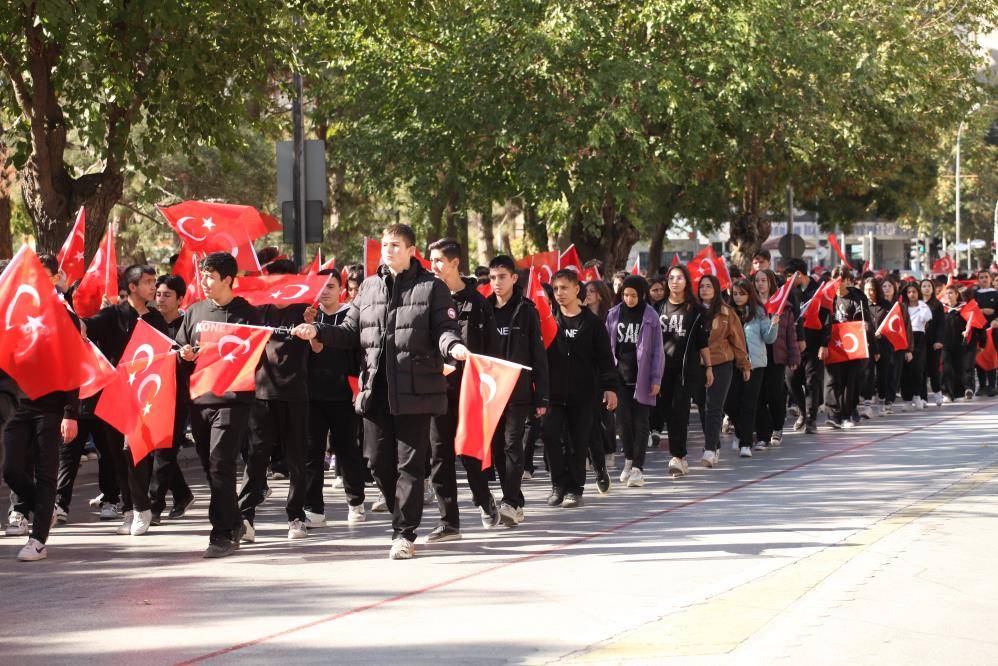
[138, 393]
[489, 382]
[98, 261]
[855, 343]
[143, 350]
[707, 267]
[549, 271]
[302, 289]
[32, 325]
[184, 231]
[891, 321]
[234, 340]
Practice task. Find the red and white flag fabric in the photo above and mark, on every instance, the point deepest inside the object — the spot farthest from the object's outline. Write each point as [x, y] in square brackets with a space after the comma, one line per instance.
[545, 310]
[893, 329]
[706, 262]
[280, 289]
[944, 265]
[590, 274]
[214, 227]
[987, 358]
[229, 356]
[41, 348]
[315, 266]
[187, 268]
[971, 313]
[71, 259]
[778, 301]
[100, 373]
[636, 268]
[546, 264]
[848, 342]
[570, 259]
[328, 265]
[486, 385]
[834, 243]
[485, 289]
[100, 280]
[140, 402]
[372, 256]
[675, 260]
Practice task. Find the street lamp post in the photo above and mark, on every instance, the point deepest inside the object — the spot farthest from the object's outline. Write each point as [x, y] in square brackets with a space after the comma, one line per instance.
[956, 247]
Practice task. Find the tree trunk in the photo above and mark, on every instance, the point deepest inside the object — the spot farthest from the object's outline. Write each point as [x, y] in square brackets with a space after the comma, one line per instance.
[486, 238]
[510, 211]
[655, 247]
[450, 214]
[462, 238]
[6, 209]
[536, 230]
[610, 241]
[749, 230]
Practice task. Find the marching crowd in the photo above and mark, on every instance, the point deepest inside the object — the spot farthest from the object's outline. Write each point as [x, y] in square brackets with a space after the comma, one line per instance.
[355, 385]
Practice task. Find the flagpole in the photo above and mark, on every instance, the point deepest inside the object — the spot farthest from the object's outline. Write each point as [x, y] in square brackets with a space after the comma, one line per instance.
[501, 361]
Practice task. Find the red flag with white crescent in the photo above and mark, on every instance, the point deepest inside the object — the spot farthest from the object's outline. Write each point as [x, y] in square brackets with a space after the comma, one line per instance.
[944, 264]
[778, 301]
[590, 274]
[486, 386]
[706, 262]
[187, 267]
[100, 373]
[100, 280]
[229, 356]
[893, 329]
[40, 348]
[280, 289]
[214, 227]
[140, 402]
[315, 266]
[971, 313]
[570, 259]
[848, 342]
[539, 297]
[546, 264]
[71, 261]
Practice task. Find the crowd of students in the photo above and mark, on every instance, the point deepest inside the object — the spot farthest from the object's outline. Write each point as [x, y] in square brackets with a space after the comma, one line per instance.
[628, 361]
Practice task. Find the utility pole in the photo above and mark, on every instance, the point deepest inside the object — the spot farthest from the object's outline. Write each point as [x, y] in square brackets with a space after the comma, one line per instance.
[956, 250]
[297, 175]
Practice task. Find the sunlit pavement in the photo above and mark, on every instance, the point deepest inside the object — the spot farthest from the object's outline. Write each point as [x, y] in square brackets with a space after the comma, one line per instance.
[875, 545]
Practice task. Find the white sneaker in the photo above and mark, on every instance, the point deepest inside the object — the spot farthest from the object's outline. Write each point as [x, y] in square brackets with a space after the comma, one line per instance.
[96, 502]
[379, 505]
[249, 532]
[726, 426]
[314, 520]
[848, 424]
[402, 549]
[356, 514]
[519, 515]
[428, 495]
[709, 458]
[777, 438]
[917, 402]
[507, 515]
[636, 479]
[968, 395]
[33, 551]
[527, 476]
[677, 466]
[889, 408]
[736, 445]
[60, 515]
[946, 400]
[759, 446]
[17, 524]
[745, 452]
[141, 521]
[126, 524]
[938, 399]
[297, 529]
[625, 473]
[337, 483]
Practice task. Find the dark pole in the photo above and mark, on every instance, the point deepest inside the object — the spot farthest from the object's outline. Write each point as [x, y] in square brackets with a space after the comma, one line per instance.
[297, 179]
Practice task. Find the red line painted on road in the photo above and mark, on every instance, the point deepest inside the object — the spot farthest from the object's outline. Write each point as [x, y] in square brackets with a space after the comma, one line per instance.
[554, 549]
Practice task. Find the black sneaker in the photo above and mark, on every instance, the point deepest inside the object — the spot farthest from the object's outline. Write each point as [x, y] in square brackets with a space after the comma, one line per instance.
[571, 501]
[443, 533]
[556, 498]
[655, 439]
[180, 508]
[490, 516]
[220, 549]
[800, 424]
[811, 428]
[156, 519]
[602, 480]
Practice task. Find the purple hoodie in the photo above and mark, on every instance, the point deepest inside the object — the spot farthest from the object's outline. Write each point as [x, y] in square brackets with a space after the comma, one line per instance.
[651, 356]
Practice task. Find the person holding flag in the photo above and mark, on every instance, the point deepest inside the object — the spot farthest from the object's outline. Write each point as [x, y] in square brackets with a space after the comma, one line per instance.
[955, 345]
[520, 340]
[876, 379]
[987, 299]
[782, 357]
[934, 331]
[405, 322]
[806, 382]
[218, 422]
[913, 374]
[843, 369]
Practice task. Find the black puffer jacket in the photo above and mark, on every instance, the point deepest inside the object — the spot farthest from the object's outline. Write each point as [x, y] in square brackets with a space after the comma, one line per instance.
[405, 326]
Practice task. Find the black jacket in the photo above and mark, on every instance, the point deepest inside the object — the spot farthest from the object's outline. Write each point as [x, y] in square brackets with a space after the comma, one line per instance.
[478, 327]
[328, 370]
[524, 345]
[237, 311]
[9, 397]
[283, 370]
[183, 369]
[405, 325]
[934, 329]
[851, 307]
[582, 367]
[111, 328]
[683, 340]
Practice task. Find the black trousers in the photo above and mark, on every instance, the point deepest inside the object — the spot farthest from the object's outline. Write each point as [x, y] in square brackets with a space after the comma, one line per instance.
[69, 462]
[273, 423]
[166, 473]
[678, 397]
[531, 433]
[507, 452]
[772, 410]
[31, 441]
[566, 435]
[218, 435]
[806, 383]
[8, 405]
[633, 426]
[334, 422]
[877, 377]
[843, 388]
[710, 404]
[913, 372]
[742, 403]
[954, 375]
[133, 479]
[396, 447]
[603, 437]
[933, 368]
[658, 414]
[443, 468]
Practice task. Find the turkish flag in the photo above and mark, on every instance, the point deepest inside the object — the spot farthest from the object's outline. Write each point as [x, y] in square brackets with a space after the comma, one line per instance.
[328, 265]
[675, 260]
[100, 373]
[100, 280]
[229, 356]
[372, 256]
[971, 313]
[834, 242]
[141, 400]
[636, 268]
[811, 312]
[214, 227]
[892, 328]
[424, 262]
[41, 348]
[70, 257]
[187, 267]
[778, 301]
[280, 289]
[828, 292]
[590, 274]
[944, 264]
[848, 343]
[546, 264]
[344, 292]
[485, 289]
[486, 386]
[708, 263]
[315, 266]
[539, 297]
[570, 259]
[987, 358]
